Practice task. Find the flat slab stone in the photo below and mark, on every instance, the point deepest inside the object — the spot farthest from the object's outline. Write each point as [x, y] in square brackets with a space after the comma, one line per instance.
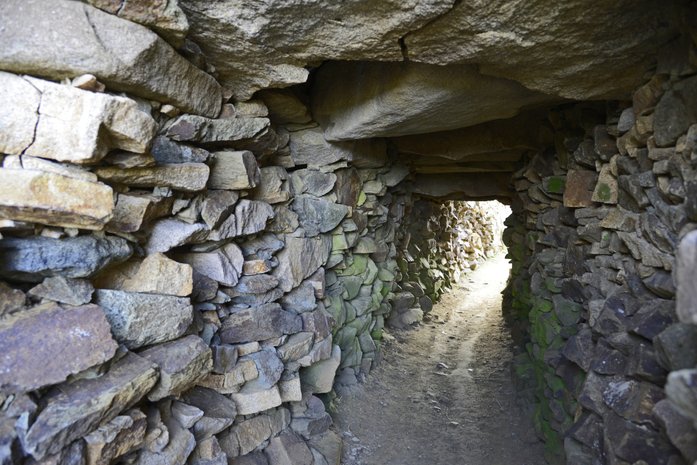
[223, 265]
[123, 55]
[258, 324]
[55, 200]
[64, 123]
[234, 170]
[156, 274]
[254, 399]
[142, 319]
[116, 438]
[228, 131]
[85, 404]
[187, 177]
[378, 99]
[32, 259]
[182, 364]
[64, 290]
[132, 212]
[81, 335]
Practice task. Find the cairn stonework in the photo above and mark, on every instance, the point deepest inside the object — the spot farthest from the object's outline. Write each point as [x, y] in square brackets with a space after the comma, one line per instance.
[210, 212]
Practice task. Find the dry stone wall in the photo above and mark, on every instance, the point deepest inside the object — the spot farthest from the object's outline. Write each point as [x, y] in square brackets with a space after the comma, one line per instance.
[602, 286]
[181, 277]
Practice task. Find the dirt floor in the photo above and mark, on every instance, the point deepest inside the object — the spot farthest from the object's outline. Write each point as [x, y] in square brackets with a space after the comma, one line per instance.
[443, 393]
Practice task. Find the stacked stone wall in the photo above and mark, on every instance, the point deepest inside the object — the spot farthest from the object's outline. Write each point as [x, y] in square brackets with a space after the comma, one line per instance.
[602, 241]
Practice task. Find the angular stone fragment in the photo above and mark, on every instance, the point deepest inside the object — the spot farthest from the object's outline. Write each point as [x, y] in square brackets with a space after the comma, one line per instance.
[68, 124]
[579, 188]
[329, 444]
[234, 171]
[156, 274]
[223, 265]
[34, 258]
[252, 216]
[270, 187]
[182, 363]
[26, 162]
[83, 405]
[187, 177]
[288, 449]
[675, 112]
[123, 55]
[309, 147]
[64, 290]
[312, 182]
[169, 233]
[187, 415]
[11, 300]
[132, 212]
[247, 435]
[230, 382]
[217, 206]
[116, 438]
[53, 199]
[606, 191]
[319, 378]
[165, 151]
[163, 16]
[258, 324]
[142, 319]
[208, 452]
[679, 428]
[227, 131]
[256, 284]
[219, 411]
[297, 346]
[300, 258]
[80, 334]
[269, 367]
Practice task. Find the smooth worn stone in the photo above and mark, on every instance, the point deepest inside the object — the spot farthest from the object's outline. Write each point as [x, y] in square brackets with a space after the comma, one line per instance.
[234, 170]
[300, 258]
[53, 199]
[83, 405]
[156, 274]
[253, 398]
[170, 233]
[132, 212]
[164, 17]
[186, 177]
[34, 258]
[64, 290]
[288, 449]
[182, 364]
[63, 123]
[251, 216]
[217, 206]
[81, 335]
[269, 367]
[218, 411]
[142, 319]
[319, 377]
[178, 444]
[580, 185]
[225, 131]
[258, 324]
[123, 55]
[270, 188]
[313, 182]
[685, 272]
[318, 215]
[398, 99]
[116, 438]
[166, 151]
[223, 265]
[11, 300]
[309, 147]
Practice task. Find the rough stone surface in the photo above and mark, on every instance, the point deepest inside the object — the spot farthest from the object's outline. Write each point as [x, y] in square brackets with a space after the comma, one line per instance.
[234, 170]
[116, 438]
[223, 265]
[142, 319]
[125, 56]
[156, 274]
[187, 177]
[68, 124]
[81, 406]
[80, 334]
[319, 378]
[259, 323]
[52, 199]
[32, 259]
[182, 363]
[300, 258]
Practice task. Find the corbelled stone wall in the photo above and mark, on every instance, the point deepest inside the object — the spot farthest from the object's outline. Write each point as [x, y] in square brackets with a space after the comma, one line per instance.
[181, 277]
[602, 288]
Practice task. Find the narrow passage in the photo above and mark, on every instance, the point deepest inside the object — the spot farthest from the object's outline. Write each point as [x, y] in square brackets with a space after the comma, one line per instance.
[443, 393]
